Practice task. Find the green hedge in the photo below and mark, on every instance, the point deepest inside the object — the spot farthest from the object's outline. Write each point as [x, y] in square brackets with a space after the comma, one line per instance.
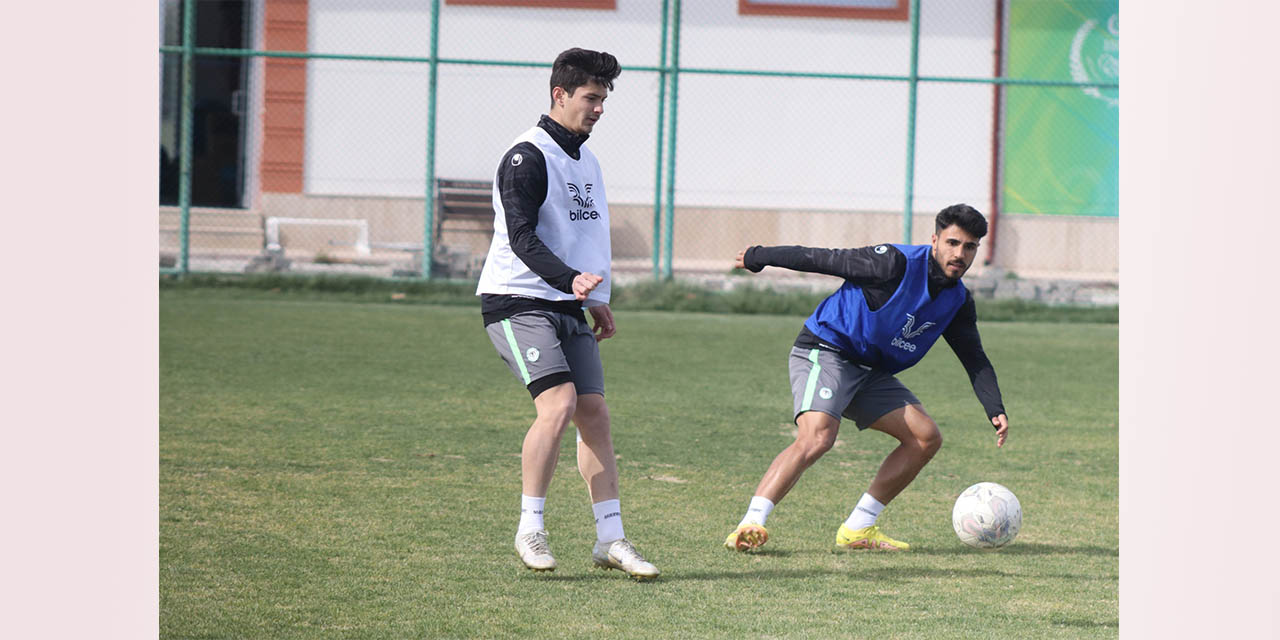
[649, 295]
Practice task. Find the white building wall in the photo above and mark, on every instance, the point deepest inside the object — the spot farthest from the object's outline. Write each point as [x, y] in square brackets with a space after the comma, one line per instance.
[744, 141]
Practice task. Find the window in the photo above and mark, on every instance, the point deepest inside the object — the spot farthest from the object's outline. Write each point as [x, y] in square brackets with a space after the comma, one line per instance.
[856, 9]
[220, 114]
[553, 4]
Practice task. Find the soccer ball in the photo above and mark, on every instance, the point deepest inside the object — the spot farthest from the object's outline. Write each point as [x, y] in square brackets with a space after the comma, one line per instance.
[987, 515]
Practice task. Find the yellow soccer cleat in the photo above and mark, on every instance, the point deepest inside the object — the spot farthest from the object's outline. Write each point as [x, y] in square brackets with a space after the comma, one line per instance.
[867, 538]
[747, 537]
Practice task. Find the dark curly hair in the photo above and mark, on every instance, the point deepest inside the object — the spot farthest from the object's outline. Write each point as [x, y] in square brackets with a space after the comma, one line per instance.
[964, 215]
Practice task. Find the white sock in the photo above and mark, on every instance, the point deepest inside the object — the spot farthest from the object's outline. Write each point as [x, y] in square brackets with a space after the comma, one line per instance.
[865, 514]
[530, 514]
[608, 520]
[758, 511]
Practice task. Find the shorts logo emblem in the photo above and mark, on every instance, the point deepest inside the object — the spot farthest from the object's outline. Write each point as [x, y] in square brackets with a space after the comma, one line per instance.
[825, 393]
[516, 160]
[532, 354]
[881, 249]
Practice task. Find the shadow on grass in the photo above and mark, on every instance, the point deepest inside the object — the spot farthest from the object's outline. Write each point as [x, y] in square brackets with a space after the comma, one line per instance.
[758, 571]
[881, 574]
[1021, 549]
[893, 574]
[1083, 624]
[768, 553]
[1016, 549]
[593, 575]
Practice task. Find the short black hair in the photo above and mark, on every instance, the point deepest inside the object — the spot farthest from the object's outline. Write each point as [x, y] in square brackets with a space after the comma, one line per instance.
[964, 215]
[576, 67]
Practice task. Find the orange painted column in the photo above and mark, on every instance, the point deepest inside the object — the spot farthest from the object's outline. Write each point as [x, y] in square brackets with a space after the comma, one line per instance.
[285, 100]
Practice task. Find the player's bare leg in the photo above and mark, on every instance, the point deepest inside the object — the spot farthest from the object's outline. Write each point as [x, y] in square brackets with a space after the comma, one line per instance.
[815, 435]
[596, 460]
[538, 457]
[541, 450]
[918, 440]
[599, 468]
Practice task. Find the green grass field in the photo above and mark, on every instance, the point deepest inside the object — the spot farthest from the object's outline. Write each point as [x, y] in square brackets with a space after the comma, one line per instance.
[333, 469]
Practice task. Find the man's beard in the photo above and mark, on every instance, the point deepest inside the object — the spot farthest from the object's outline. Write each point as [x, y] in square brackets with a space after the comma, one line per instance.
[933, 255]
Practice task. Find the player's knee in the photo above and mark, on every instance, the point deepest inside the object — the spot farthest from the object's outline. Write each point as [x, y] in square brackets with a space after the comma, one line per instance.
[557, 411]
[564, 411]
[930, 443]
[591, 431]
[592, 416]
[818, 444]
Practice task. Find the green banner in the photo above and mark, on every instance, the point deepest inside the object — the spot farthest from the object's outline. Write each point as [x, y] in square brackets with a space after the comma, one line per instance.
[1062, 145]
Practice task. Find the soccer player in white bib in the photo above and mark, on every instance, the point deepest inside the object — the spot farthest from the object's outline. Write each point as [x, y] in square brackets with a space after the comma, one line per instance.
[549, 258]
[895, 303]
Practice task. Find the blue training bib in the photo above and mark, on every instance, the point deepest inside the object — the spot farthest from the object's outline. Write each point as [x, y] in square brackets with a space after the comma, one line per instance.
[898, 334]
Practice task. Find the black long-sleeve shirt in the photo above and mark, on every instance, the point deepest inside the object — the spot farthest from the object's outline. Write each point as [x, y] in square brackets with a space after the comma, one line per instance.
[522, 187]
[877, 271]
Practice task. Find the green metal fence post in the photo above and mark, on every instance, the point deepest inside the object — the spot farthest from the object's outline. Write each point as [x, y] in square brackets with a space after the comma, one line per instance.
[657, 162]
[429, 220]
[913, 79]
[185, 131]
[671, 143]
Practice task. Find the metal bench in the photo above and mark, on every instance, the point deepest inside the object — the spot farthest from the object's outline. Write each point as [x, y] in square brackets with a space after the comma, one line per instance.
[462, 207]
[463, 200]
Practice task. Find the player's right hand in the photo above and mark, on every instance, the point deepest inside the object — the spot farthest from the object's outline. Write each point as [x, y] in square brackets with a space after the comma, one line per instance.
[584, 283]
[1001, 423]
[738, 262]
[603, 317]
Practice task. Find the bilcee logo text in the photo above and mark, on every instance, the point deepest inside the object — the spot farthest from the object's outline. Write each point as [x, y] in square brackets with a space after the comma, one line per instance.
[585, 210]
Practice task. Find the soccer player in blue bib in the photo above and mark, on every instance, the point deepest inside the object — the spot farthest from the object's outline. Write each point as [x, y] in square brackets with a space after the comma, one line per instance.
[895, 303]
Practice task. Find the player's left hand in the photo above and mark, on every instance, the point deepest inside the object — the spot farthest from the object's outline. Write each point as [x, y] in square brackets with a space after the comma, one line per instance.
[1001, 423]
[603, 318]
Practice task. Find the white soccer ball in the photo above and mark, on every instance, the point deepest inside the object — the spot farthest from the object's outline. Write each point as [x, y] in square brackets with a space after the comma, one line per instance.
[987, 515]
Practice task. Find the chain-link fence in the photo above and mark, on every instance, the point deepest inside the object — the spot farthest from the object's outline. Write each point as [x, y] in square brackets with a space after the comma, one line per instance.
[362, 135]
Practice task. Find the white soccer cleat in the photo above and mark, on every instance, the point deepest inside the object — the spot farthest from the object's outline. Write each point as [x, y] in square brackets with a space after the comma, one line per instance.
[621, 554]
[534, 552]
